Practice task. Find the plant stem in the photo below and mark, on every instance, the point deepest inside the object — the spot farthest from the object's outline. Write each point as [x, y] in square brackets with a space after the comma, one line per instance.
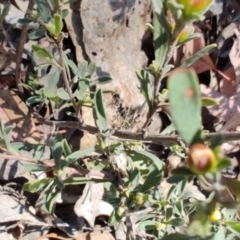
[23, 38]
[166, 62]
[65, 79]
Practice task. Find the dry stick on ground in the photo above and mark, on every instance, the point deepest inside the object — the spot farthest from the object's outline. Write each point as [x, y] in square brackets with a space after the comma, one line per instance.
[20, 48]
[130, 136]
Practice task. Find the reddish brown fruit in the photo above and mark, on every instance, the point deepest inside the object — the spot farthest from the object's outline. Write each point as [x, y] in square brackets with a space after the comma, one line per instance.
[201, 159]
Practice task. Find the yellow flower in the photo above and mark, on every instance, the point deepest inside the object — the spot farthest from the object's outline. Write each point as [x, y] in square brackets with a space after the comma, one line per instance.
[194, 8]
[215, 216]
[183, 35]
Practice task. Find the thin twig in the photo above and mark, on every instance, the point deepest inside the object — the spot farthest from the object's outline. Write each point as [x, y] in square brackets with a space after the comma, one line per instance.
[17, 157]
[50, 7]
[23, 38]
[172, 47]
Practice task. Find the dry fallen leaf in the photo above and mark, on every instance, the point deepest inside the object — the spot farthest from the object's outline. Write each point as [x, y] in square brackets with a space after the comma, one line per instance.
[90, 204]
[228, 86]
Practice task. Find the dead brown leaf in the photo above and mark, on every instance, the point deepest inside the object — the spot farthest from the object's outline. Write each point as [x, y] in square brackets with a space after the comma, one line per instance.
[14, 111]
[227, 85]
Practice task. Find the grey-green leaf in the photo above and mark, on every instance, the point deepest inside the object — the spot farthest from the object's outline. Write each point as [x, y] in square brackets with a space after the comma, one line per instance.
[146, 86]
[44, 10]
[57, 153]
[147, 156]
[36, 185]
[33, 167]
[62, 93]
[185, 104]
[100, 111]
[58, 24]
[75, 156]
[152, 180]
[42, 53]
[36, 34]
[161, 33]
[198, 55]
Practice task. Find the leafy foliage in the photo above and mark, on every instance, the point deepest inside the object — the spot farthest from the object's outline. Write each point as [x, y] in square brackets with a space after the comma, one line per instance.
[139, 185]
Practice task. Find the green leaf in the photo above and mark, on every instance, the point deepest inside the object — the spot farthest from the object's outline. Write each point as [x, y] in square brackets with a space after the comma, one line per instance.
[235, 225]
[185, 104]
[134, 178]
[75, 156]
[169, 213]
[83, 85]
[191, 37]
[101, 80]
[66, 148]
[169, 129]
[161, 33]
[198, 55]
[58, 24]
[42, 53]
[33, 167]
[152, 180]
[173, 179]
[100, 111]
[62, 93]
[64, 13]
[57, 154]
[58, 183]
[44, 10]
[178, 236]
[183, 171]
[208, 101]
[36, 185]
[146, 86]
[143, 155]
[24, 21]
[37, 34]
[147, 225]
[83, 180]
[150, 27]
[51, 28]
[52, 84]
[178, 208]
[70, 63]
[176, 222]
[81, 71]
[90, 69]
[216, 141]
[145, 217]
[50, 198]
[33, 100]
[115, 216]
[224, 163]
